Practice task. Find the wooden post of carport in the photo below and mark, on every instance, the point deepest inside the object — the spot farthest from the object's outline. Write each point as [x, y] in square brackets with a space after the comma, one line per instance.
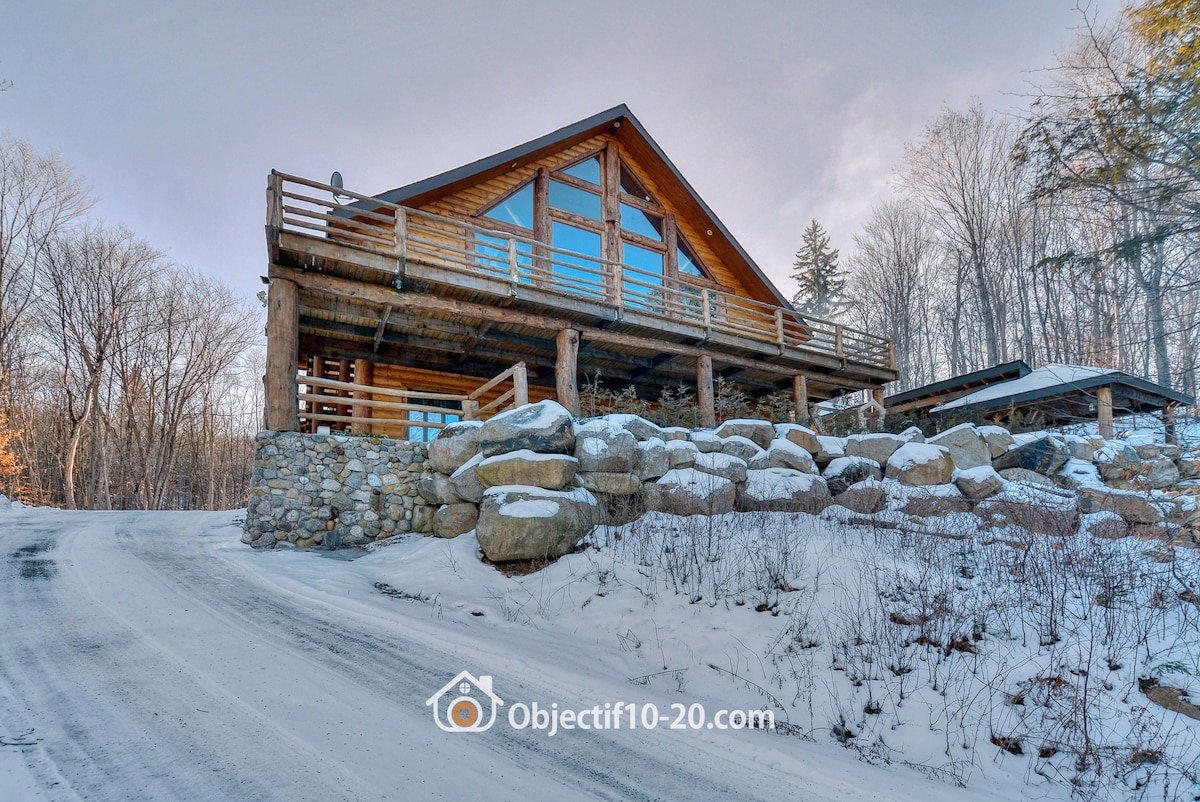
[283, 344]
[800, 397]
[364, 374]
[566, 370]
[1104, 412]
[704, 391]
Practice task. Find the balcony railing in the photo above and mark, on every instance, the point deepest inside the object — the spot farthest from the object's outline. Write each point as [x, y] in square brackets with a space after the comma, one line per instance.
[301, 206]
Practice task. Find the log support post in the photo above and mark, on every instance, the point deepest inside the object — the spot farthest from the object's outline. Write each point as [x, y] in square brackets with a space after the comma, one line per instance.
[283, 343]
[1170, 431]
[364, 373]
[520, 385]
[800, 397]
[1104, 412]
[704, 392]
[565, 370]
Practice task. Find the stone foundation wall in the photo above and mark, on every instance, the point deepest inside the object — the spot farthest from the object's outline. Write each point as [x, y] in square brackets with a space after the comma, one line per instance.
[332, 491]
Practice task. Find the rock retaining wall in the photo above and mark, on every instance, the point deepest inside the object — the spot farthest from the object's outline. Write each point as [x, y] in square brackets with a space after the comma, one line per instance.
[331, 491]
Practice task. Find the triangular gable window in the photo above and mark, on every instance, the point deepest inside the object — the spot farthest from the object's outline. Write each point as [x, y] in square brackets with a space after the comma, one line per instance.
[688, 264]
[630, 185]
[586, 170]
[516, 209]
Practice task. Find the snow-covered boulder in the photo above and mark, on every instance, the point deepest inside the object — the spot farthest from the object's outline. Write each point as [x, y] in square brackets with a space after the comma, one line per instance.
[465, 483]
[743, 448]
[600, 446]
[1042, 454]
[437, 490]
[545, 427]
[759, 431]
[525, 467]
[1026, 477]
[688, 491]
[653, 459]
[828, 449]
[452, 520]
[967, 448]
[920, 464]
[682, 453]
[979, 482]
[670, 433]
[1133, 507]
[454, 445]
[912, 434]
[1189, 465]
[802, 436]
[784, 490]
[1043, 511]
[1103, 525]
[527, 523]
[610, 483]
[876, 447]
[846, 471]
[998, 439]
[782, 453]
[721, 464]
[636, 425]
[866, 498]
[934, 501]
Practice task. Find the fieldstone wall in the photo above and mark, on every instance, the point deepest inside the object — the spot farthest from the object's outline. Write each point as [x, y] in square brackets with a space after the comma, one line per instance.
[331, 491]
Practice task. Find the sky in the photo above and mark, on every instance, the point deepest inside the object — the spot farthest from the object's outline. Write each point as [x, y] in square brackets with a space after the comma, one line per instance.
[777, 112]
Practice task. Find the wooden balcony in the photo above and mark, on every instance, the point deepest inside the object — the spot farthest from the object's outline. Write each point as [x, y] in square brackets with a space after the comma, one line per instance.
[404, 286]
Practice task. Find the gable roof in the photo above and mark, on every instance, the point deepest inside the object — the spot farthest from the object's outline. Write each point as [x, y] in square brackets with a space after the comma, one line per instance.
[634, 137]
[930, 394]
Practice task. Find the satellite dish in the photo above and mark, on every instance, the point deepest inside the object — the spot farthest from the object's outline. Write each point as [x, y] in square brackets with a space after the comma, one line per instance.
[335, 181]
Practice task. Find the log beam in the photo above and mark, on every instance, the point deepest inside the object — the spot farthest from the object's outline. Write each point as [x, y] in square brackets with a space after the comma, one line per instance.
[566, 375]
[283, 340]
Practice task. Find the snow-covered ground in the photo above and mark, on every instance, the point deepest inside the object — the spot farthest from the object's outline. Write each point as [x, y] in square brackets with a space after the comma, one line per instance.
[152, 656]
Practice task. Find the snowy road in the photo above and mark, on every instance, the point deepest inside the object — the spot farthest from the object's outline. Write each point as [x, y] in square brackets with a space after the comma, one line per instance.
[143, 657]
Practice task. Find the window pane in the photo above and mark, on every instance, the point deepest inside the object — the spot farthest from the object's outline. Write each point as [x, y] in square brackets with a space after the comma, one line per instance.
[637, 221]
[588, 279]
[518, 209]
[631, 186]
[492, 254]
[575, 200]
[649, 271]
[689, 265]
[588, 170]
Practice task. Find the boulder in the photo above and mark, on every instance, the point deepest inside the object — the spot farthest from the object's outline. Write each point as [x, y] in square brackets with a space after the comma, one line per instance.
[876, 447]
[465, 483]
[670, 433]
[967, 448]
[783, 490]
[437, 490]
[1103, 525]
[1027, 477]
[938, 501]
[452, 520]
[802, 436]
[610, 484]
[1117, 460]
[653, 459]
[606, 449]
[681, 453]
[998, 439]
[636, 425]
[978, 483]
[720, 464]
[706, 442]
[828, 449]
[743, 448]
[759, 432]
[454, 445]
[845, 471]
[1133, 507]
[526, 523]
[1081, 447]
[1043, 455]
[1189, 465]
[865, 498]
[688, 491]
[1159, 472]
[784, 454]
[1147, 451]
[545, 427]
[912, 434]
[920, 464]
[525, 467]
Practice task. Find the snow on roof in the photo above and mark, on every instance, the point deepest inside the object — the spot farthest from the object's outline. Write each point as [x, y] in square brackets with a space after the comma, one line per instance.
[1046, 376]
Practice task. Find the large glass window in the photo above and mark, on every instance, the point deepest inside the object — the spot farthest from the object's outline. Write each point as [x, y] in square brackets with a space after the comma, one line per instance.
[492, 254]
[575, 200]
[639, 222]
[587, 278]
[516, 209]
[689, 265]
[423, 434]
[648, 275]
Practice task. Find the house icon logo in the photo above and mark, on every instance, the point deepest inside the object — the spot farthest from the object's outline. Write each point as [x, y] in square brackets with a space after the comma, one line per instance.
[465, 704]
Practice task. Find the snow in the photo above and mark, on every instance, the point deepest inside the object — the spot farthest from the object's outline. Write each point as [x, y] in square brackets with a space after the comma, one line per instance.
[523, 454]
[833, 446]
[842, 464]
[152, 656]
[716, 461]
[534, 416]
[1044, 377]
[693, 482]
[538, 502]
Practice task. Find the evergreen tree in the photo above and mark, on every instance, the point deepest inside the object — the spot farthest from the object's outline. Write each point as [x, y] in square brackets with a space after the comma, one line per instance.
[816, 271]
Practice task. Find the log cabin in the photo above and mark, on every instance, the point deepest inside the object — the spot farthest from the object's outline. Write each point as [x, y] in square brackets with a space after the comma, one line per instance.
[583, 252]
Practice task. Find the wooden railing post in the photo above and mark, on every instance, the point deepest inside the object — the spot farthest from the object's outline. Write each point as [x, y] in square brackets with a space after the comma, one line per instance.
[706, 308]
[470, 409]
[520, 385]
[839, 347]
[891, 355]
[779, 327]
[514, 273]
